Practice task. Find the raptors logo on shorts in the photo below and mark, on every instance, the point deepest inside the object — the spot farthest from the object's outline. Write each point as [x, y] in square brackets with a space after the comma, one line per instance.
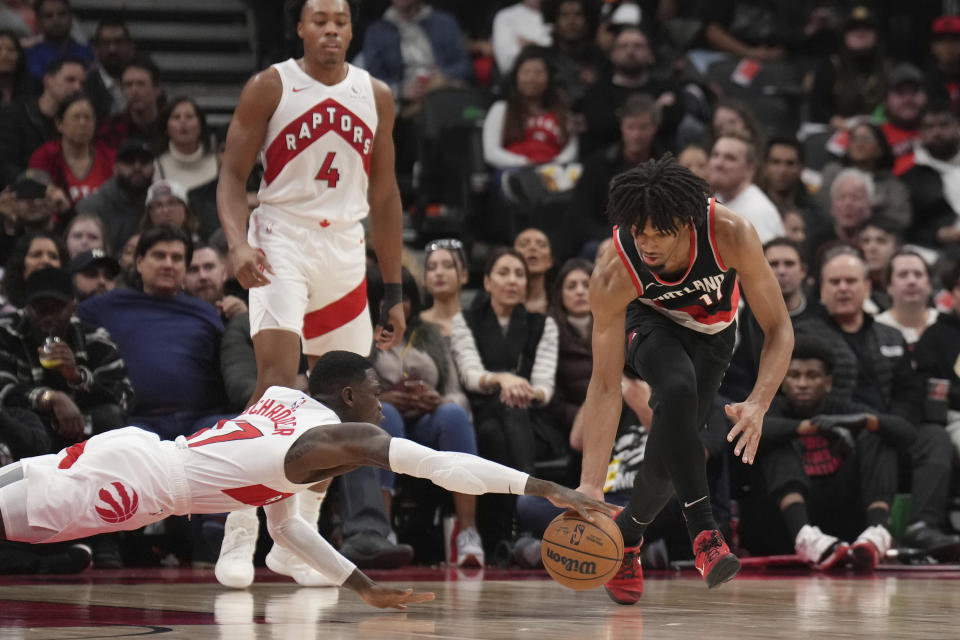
[118, 503]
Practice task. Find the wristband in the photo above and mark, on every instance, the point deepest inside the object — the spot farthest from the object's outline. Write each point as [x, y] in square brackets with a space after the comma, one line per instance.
[392, 296]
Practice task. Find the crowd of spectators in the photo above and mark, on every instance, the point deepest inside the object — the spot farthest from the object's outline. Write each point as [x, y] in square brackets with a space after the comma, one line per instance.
[832, 126]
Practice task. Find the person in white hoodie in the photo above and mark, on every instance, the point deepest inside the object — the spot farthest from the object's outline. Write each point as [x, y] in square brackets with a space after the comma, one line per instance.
[516, 27]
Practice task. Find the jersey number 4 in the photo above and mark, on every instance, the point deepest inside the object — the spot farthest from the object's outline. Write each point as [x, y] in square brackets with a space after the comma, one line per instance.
[225, 431]
[327, 172]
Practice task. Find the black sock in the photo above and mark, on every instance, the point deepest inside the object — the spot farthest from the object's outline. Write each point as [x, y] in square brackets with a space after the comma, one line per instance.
[699, 516]
[795, 516]
[877, 515]
[631, 527]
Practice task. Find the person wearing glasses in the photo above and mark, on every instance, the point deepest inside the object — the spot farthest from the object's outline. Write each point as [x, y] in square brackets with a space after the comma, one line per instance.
[167, 205]
[446, 275]
[507, 359]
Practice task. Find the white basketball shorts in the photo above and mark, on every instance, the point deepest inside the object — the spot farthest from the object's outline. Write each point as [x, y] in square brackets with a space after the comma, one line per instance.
[318, 288]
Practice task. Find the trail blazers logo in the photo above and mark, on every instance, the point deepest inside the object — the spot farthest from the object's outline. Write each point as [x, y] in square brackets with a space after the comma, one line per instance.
[118, 503]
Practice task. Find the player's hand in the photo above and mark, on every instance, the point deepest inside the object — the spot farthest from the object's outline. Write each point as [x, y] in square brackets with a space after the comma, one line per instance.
[250, 266]
[584, 505]
[68, 417]
[748, 423]
[387, 597]
[388, 335]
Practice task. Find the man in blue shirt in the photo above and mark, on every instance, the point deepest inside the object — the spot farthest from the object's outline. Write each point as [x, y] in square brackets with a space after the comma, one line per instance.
[54, 22]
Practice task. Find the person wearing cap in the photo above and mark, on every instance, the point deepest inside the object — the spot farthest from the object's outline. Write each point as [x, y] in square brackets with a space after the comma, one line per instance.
[121, 200]
[852, 81]
[903, 106]
[167, 204]
[943, 74]
[94, 272]
[84, 380]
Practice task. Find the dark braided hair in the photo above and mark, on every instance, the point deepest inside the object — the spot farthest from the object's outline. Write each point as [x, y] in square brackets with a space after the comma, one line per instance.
[661, 191]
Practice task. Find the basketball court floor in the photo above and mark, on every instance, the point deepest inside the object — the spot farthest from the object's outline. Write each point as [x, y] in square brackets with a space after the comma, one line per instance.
[495, 604]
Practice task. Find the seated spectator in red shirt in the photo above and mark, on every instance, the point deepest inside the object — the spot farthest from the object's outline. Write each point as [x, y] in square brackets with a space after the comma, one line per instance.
[904, 105]
[75, 163]
[140, 85]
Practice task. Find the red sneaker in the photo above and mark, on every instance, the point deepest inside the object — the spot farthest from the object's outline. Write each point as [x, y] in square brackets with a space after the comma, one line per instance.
[627, 586]
[714, 561]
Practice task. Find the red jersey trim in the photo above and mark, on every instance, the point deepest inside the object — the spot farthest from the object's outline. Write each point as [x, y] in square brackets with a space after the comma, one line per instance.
[713, 236]
[623, 256]
[324, 117]
[336, 314]
[700, 315]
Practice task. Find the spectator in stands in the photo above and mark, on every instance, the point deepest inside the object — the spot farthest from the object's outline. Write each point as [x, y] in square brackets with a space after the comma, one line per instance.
[734, 116]
[733, 164]
[639, 120]
[852, 81]
[903, 107]
[570, 309]
[84, 231]
[422, 400]
[576, 58]
[878, 244]
[64, 369]
[54, 21]
[14, 81]
[909, 288]
[188, 158]
[128, 267]
[18, 17]
[530, 125]
[166, 204]
[781, 178]
[938, 350]
[515, 28]
[934, 180]
[509, 376]
[534, 245]
[943, 74]
[795, 226]
[872, 367]
[445, 265]
[850, 196]
[830, 462]
[29, 121]
[121, 200]
[30, 204]
[113, 48]
[74, 162]
[176, 371]
[94, 272]
[33, 251]
[140, 84]
[868, 151]
[695, 158]
[633, 71]
[205, 278]
[415, 47]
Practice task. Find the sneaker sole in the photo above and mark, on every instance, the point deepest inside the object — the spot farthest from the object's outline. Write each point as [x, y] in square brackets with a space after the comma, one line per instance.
[470, 560]
[725, 570]
[632, 600]
[840, 552]
[864, 557]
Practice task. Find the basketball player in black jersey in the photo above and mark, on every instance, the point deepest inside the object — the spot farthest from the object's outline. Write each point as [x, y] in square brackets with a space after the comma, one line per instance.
[664, 304]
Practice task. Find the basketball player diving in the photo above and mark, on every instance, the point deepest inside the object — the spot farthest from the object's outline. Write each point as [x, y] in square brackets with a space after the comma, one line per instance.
[286, 443]
[664, 304]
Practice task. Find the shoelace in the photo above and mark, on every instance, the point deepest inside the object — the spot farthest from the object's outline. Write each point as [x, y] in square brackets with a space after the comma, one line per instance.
[711, 546]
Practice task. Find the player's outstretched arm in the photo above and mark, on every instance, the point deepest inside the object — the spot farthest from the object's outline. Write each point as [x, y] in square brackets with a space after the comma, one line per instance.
[289, 530]
[740, 249]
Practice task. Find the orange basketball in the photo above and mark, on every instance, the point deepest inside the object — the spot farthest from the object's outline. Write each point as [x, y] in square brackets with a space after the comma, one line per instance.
[580, 554]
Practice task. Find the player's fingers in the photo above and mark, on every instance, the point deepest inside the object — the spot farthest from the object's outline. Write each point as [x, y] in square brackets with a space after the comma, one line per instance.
[730, 411]
[734, 432]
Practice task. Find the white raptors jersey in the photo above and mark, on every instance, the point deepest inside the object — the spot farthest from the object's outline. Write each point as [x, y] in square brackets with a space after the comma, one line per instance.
[318, 145]
[241, 461]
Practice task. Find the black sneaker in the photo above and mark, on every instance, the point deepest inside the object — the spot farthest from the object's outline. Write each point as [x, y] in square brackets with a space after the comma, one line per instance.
[943, 546]
[106, 552]
[72, 559]
[370, 550]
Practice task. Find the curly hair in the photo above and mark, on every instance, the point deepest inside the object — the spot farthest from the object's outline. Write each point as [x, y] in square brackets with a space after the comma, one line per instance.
[659, 191]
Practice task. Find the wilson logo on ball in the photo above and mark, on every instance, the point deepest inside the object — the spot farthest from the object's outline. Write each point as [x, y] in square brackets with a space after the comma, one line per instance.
[117, 503]
[571, 565]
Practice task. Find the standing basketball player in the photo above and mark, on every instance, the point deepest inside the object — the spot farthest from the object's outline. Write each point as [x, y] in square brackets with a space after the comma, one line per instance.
[325, 130]
[671, 287]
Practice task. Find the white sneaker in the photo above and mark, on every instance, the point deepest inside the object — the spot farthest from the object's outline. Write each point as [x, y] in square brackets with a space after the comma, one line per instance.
[870, 547]
[287, 563]
[235, 565]
[469, 548]
[819, 550]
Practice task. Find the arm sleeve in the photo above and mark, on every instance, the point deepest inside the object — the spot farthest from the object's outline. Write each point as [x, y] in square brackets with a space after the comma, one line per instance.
[289, 530]
[493, 152]
[544, 372]
[469, 365]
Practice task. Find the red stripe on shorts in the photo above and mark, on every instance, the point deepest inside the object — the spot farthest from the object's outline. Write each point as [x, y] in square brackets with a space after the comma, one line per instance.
[73, 453]
[336, 314]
